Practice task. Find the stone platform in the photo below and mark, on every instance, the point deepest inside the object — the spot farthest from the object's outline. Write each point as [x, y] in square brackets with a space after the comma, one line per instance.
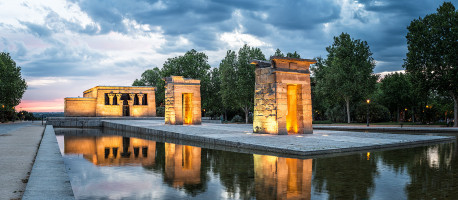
[240, 137]
[405, 129]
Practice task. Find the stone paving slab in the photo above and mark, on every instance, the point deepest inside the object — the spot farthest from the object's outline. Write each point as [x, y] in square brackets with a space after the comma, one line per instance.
[241, 136]
[18, 146]
[390, 129]
[49, 178]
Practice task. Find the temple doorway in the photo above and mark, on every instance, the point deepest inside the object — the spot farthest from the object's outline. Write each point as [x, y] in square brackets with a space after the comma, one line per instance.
[291, 116]
[125, 109]
[187, 108]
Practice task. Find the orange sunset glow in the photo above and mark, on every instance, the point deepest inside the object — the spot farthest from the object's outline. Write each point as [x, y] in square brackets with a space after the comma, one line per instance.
[55, 105]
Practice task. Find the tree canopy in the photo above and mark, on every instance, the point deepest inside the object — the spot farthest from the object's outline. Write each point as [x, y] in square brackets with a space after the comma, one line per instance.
[12, 85]
[347, 73]
[397, 92]
[192, 64]
[238, 78]
[432, 56]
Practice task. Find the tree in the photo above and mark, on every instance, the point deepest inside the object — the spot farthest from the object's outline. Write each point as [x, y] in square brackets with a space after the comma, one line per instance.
[347, 72]
[238, 78]
[12, 85]
[228, 78]
[278, 53]
[432, 56]
[153, 77]
[194, 65]
[246, 77]
[214, 100]
[293, 55]
[396, 92]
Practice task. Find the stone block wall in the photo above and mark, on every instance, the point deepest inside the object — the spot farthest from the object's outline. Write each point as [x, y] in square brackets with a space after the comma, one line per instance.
[271, 98]
[80, 107]
[176, 86]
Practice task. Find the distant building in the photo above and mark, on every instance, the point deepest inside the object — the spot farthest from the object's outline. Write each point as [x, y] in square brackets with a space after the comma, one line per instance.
[113, 101]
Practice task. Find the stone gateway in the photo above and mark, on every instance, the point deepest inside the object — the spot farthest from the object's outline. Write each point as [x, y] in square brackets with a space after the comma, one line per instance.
[283, 101]
[182, 101]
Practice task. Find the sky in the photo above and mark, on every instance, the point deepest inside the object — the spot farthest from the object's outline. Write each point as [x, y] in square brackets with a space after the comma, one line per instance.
[66, 47]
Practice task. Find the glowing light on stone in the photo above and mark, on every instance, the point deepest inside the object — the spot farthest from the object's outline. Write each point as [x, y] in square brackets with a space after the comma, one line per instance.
[291, 116]
[187, 108]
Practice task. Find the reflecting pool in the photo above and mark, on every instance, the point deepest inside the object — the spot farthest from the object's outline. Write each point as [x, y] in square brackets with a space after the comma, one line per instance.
[107, 165]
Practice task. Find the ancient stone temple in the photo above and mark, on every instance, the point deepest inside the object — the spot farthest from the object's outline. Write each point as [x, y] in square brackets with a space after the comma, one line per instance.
[283, 102]
[182, 101]
[113, 101]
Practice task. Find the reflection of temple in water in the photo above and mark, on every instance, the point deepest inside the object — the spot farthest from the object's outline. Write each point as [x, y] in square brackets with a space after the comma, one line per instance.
[282, 178]
[112, 150]
[182, 164]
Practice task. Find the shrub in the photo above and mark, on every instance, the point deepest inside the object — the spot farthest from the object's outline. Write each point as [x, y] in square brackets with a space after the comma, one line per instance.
[160, 111]
[236, 119]
[377, 113]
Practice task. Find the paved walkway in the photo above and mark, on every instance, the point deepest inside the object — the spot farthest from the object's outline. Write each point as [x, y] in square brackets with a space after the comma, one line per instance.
[49, 179]
[241, 136]
[18, 147]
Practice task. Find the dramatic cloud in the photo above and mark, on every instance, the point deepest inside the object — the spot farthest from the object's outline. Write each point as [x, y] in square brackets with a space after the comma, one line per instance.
[65, 47]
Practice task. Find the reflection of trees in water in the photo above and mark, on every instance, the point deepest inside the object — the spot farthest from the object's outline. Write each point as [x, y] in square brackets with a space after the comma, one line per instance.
[345, 177]
[434, 173]
[235, 171]
[433, 170]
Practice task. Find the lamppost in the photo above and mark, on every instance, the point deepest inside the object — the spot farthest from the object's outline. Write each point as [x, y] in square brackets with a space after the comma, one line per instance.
[368, 101]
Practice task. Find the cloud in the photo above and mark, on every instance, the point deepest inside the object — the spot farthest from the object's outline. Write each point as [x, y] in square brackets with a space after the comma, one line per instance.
[113, 42]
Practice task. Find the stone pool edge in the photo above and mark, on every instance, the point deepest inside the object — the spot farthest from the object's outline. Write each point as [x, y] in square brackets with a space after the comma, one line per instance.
[49, 178]
[266, 149]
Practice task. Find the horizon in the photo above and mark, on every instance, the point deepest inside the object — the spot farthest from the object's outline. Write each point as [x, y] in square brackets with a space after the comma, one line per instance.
[67, 47]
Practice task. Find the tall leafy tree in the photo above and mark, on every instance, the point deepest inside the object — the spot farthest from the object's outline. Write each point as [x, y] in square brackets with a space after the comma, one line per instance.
[293, 55]
[396, 92]
[246, 77]
[432, 55]
[214, 99]
[12, 85]
[347, 73]
[228, 78]
[153, 77]
[192, 64]
[238, 77]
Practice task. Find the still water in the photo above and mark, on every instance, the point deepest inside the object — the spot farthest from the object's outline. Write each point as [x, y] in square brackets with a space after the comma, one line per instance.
[106, 166]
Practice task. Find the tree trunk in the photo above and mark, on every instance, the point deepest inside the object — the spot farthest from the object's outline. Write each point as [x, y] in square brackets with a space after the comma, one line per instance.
[455, 112]
[347, 101]
[397, 114]
[246, 110]
[413, 114]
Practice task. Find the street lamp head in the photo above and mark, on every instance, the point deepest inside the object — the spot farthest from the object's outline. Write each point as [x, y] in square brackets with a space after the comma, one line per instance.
[368, 101]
